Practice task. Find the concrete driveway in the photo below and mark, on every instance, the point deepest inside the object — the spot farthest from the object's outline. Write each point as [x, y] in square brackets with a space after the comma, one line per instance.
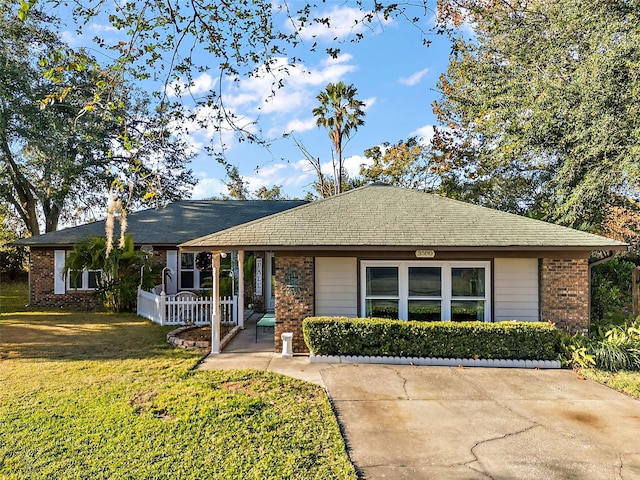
[405, 422]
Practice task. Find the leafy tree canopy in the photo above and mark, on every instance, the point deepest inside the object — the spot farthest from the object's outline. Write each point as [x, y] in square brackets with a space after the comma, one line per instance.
[539, 111]
[171, 44]
[59, 155]
[406, 164]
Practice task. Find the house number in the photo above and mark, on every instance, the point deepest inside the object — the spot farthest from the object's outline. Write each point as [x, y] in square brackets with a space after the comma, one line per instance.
[425, 253]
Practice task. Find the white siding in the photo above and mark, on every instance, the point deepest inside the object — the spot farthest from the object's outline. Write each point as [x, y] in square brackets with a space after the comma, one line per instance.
[516, 289]
[336, 286]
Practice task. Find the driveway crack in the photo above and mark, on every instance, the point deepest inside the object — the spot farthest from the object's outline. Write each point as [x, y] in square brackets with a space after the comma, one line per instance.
[619, 468]
[489, 440]
[404, 381]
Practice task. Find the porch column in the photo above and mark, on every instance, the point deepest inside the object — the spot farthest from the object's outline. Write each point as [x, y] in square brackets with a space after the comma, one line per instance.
[240, 304]
[215, 308]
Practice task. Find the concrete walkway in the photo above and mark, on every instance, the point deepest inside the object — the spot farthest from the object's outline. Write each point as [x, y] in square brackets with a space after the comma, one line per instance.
[407, 422]
[244, 352]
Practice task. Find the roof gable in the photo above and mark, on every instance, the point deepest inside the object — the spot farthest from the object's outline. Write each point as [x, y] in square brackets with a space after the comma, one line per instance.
[385, 216]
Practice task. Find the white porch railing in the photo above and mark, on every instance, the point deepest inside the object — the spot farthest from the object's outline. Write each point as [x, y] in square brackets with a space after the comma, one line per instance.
[169, 310]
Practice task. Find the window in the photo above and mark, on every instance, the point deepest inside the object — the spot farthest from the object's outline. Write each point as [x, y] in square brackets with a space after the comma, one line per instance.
[83, 279]
[191, 277]
[382, 292]
[187, 271]
[426, 291]
[467, 294]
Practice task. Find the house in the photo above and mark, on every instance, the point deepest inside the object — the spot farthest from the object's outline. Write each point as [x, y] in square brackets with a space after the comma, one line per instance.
[163, 229]
[387, 251]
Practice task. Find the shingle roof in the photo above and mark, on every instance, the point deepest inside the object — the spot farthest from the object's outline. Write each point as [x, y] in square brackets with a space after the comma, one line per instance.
[176, 223]
[386, 217]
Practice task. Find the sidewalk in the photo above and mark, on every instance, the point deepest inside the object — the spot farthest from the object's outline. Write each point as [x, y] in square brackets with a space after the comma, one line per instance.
[243, 352]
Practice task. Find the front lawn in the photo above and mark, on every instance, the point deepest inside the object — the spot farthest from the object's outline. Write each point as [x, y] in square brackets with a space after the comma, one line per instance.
[93, 395]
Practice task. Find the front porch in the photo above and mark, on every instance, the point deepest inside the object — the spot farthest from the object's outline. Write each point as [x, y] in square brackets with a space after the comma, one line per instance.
[188, 308]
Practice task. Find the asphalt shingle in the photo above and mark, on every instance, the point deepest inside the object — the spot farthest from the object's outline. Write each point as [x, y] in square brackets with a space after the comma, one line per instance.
[176, 223]
[386, 216]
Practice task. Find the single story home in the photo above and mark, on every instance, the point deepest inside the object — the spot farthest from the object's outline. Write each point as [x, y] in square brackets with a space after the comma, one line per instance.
[163, 229]
[387, 251]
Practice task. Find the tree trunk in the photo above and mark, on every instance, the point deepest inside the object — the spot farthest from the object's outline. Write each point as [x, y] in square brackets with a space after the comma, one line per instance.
[26, 202]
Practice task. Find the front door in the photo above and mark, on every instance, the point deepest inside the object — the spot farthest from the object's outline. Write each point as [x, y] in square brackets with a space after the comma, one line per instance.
[271, 281]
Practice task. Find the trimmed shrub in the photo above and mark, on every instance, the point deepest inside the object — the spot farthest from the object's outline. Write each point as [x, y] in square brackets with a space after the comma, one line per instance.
[384, 337]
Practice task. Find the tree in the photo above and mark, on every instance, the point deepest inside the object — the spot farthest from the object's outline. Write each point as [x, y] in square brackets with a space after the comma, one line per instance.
[239, 190]
[58, 157]
[13, 260]
[405, 164]
[340, 113]
[273, 193]
[166, 42]
[538, 111]
[117, 273]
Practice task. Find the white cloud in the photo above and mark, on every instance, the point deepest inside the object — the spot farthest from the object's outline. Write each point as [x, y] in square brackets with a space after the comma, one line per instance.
[350, 164]
[425, 133]
[368, 103]
[202, 84]
[207, 188]
[343, 23]
[414, 79]
[298, 84]
[280, 110]
[199, 85]
[298, 125]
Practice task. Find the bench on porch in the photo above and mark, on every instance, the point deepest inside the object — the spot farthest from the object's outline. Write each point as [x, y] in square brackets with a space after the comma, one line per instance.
[268, 320]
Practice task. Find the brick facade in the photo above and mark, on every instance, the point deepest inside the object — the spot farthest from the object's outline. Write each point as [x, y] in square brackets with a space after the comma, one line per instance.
[564, 293]
[294, 299]
[42, 282]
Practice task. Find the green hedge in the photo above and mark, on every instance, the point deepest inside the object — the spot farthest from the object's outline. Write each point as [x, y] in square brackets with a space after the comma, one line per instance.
[384, 337]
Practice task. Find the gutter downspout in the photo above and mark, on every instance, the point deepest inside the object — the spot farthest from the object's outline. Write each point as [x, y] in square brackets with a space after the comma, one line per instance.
[608, 258]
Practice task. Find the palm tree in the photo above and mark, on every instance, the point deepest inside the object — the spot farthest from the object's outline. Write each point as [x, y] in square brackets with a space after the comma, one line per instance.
[341, 113]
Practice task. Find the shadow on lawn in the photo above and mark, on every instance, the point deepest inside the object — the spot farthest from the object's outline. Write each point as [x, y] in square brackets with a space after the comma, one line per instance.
[60, 335]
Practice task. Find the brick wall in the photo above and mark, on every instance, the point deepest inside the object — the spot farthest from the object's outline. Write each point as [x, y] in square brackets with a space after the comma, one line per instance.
[41, 285]
[41, 282]
[564, 293]
[295, 304]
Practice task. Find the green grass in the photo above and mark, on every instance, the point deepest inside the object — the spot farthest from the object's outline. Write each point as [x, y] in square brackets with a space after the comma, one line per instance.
[13, 296]
[93, 395]
[623, 381]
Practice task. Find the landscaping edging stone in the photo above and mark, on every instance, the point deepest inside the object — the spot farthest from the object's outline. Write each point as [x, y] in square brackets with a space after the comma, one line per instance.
[443, 362]
[173, 339]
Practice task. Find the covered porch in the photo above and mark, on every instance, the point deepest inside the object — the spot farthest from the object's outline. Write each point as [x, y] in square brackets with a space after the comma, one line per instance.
[254, 296]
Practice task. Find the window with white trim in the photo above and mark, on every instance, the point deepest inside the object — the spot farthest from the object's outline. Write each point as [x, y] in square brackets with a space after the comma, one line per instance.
[192, 278]
[426, 291]
[83, 279]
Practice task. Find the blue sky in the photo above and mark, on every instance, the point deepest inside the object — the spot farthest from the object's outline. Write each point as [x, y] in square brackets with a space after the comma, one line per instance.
[395, 75]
